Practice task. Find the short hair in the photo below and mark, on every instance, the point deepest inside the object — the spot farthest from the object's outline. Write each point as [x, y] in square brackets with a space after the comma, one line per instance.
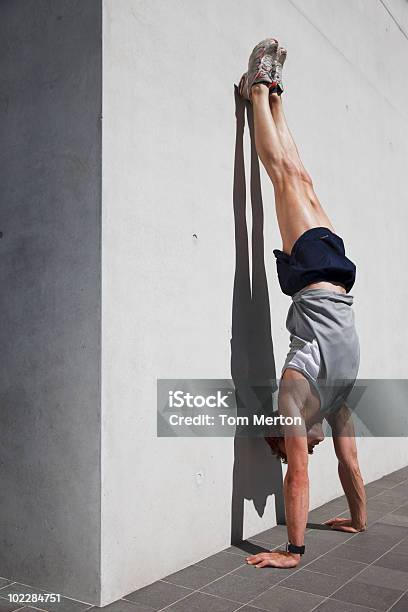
[273, 443]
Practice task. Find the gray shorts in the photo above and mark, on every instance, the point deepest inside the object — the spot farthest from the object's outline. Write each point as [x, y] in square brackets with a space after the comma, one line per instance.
[324, 344]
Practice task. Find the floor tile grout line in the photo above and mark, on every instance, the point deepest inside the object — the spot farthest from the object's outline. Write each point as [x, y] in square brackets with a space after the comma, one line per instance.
[322, 555]
[41, 589]
[41, 609]
[295, 572]
[25, 606]
[17, 609]
[280, 581]
[7, 585]
[361, 571]
[399, 599]
[192, 591]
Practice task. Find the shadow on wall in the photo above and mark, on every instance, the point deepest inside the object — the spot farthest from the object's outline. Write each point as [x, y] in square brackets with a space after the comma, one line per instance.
[256, 474]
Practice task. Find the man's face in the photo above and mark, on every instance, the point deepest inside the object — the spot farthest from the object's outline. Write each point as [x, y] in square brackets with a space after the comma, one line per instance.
[315, 435]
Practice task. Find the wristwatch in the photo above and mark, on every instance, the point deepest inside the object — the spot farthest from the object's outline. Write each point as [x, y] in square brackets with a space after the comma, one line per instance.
[297, 550]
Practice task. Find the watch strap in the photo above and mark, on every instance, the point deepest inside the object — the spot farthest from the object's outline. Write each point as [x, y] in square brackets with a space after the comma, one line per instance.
[297, 550]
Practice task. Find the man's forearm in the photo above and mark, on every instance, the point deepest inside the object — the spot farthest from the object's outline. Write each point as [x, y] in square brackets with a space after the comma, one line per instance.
[296, 493]
[353, 486]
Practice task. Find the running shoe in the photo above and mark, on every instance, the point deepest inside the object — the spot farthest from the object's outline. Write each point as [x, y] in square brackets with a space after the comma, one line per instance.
[276, 73]
[260, 66]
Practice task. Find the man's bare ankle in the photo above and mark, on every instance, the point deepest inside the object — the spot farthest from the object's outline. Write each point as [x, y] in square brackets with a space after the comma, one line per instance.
[259, 89]
[274, 98]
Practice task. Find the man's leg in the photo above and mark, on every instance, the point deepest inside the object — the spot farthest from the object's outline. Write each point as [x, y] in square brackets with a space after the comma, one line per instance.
[349, 472]
[297, 206]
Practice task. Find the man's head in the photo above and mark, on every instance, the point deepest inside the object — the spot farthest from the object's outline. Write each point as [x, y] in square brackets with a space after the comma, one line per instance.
[315, 435]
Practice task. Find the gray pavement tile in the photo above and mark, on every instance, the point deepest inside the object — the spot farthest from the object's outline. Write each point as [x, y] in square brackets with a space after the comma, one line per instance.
[372, 490]
[237, 588]
[401, 605]
[319, 515]
[378, 505]
[123, 606]
[235, 550]
[247, 547]
[394, 560]
[194, 576]
[279, 599]
[200, 602]
[395, 519]
[384, 577]
[8, 606]
[402, 547]
[369, 595]
[403, 470]
[30, 609]
[264, 576]
[381, 542]
[252, 609]
[335, 566]
[380, 534]
[332, 605]
[395, 531]
[367, 554]
[392, 496]
[315, 549]
[386, 483]
[312, 582]
[312, 553]
[4, 582]
[223, 562]
[158, 594]
[337, 505]
[374, 516]
[326, 539]
[402, 487]
[402, 510]
[273, 537]
[64, 605]
[18, 588]
[395, 477]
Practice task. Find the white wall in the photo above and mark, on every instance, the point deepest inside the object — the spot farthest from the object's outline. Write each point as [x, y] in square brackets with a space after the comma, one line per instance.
[168, 156]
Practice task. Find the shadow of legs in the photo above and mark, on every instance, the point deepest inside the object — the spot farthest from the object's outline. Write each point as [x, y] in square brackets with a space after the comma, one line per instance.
[256, 473]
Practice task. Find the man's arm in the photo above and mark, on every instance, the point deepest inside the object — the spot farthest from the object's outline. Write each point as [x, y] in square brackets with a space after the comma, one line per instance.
[296, 493]
[296, 488]
[349, 473]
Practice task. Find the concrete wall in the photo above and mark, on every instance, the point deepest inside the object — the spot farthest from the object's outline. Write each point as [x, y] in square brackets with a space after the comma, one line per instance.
[169, 142]
[50, 165]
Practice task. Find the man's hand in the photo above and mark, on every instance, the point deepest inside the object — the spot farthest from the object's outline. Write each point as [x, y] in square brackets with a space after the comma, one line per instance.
[344, 524]
[278, 558]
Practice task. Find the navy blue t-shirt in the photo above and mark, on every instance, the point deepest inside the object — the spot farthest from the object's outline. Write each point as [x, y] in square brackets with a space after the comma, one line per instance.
[317, 255]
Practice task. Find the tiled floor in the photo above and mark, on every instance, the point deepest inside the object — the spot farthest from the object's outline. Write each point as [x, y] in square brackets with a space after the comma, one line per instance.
[339, 573]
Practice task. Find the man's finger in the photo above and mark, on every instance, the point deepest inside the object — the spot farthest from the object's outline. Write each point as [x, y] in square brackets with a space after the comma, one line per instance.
[346, 528]
[254, 558]
[263, 563]
[337, 521]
